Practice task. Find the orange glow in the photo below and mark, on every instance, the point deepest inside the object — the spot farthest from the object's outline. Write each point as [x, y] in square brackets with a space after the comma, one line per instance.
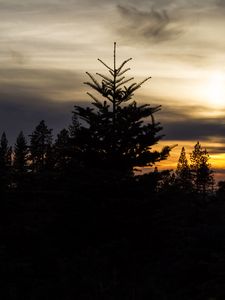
[217, 160]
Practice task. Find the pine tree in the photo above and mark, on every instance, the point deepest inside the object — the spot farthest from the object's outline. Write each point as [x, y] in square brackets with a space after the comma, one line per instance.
[221, 190]
[9, 157]
[117, 133]
[74, 126]
[5, 162]
[40, 144]
[62, 149]
[20, 154]
[5, 154]
[195, 157]
[202, 175]
[183, 172]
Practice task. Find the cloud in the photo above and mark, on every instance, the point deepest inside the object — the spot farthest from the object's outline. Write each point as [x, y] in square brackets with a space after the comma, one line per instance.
[180, 124]
[153, 25]
[194, 130]
[18, 57]
[163, 21]
[220, 3]
[24, 113]
[39, 82]
[28, 95]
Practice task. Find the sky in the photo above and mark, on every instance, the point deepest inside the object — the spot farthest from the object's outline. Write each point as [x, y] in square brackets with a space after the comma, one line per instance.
[47, 46]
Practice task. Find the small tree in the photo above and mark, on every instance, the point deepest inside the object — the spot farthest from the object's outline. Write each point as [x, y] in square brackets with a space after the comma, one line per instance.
[40, 145]
[62, 150]
[117, 133]
[221, 190]
[4, 151]
[74, 127]
[183, 172]
[5, 154]
[20, 154]
[9, 157]
[202, 175]
[5, 162]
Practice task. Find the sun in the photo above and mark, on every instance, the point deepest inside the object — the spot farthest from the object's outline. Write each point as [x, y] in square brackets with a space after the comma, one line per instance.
[215, 90]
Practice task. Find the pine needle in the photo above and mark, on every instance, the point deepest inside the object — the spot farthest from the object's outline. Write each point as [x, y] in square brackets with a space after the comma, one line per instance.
[105, 77]
[121, 66]
[105, 64]
[125, 81]
[93, 79]
[93, 97]
[128, 69]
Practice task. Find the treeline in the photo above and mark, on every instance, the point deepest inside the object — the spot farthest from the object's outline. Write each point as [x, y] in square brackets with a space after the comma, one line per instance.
[193, 175]
[53, 163]
[39, 158]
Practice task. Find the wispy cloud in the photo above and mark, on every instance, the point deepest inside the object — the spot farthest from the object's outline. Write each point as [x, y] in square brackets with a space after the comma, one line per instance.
[41, 82]
[180, 124]
[28, 95]
[17, 57]
[154, 24]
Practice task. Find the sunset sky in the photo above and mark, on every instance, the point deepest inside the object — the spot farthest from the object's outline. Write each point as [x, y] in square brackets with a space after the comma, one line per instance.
[47, 45]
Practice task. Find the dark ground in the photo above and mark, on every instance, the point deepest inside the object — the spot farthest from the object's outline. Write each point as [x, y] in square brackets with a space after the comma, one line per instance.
[83, 245]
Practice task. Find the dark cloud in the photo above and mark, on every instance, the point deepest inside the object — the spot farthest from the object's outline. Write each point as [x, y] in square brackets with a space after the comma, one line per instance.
[30, 95]
[181, 124]
[221, 172]
[40, 82]
[217, 149]
[220, 3]
[148, 25]
[165, 20]
[195, 130]
[24, 113]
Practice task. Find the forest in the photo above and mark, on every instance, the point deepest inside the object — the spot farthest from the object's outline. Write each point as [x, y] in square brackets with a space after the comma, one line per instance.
[78, 221]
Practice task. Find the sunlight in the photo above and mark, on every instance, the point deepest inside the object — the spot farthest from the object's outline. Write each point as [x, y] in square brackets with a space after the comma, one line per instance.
[215, 90]
[217, 159]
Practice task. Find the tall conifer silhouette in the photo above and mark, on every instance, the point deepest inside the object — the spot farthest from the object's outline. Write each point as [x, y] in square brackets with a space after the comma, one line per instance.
[40, 144]
[62, 150]
[20, 154]
[5, 154]
[202, 175]
[183, 172]
[5, 162]
[116, 132]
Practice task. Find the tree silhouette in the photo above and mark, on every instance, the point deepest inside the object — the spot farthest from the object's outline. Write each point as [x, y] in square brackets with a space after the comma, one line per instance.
[5, 162]
[4, 153]
[40, 146]
[20, 154]
[221, 190]
[183, 172]
[62, 150]
[74, 126]
[117, 133]
[202, 175]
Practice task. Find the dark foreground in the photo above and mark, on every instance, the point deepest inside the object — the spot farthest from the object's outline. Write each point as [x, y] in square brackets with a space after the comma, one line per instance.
[95, 245]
